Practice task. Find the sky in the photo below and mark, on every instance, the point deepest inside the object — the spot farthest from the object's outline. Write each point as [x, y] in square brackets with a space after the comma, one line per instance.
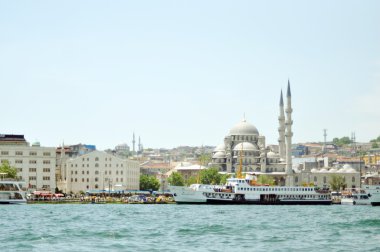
[185, 72]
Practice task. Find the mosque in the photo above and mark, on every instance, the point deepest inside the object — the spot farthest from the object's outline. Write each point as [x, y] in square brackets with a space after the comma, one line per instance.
[245, 143]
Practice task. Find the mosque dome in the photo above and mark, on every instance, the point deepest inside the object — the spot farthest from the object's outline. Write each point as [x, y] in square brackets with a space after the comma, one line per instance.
[219, 154]
[220, 147]
[244, 128]
[245, 146]
[332, 170]
[323, 170]
[346, 167]
[271, 154]
[314, 170]
[350, 170]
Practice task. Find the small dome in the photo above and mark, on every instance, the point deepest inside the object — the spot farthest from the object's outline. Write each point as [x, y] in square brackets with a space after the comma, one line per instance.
[350, 170]
[245, 146]
[314, 170]
[219, 154]
[323, 170]
[271, 154]
[244, 128]
[220, 147]
[332, 170]
[347, 166]
[341, 170]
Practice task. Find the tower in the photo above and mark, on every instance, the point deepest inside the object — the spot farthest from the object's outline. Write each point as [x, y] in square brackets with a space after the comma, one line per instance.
[288, 137]
[134, 142]
[324, 143]
[140, 146]
[281, 130]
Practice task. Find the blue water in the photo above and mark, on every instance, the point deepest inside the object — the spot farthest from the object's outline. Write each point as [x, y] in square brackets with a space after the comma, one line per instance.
[189, 228]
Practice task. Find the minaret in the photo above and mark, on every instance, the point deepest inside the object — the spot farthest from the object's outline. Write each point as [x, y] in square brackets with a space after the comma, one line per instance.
[288, 136]
[133, 143]
[281, 130]
[139, 144]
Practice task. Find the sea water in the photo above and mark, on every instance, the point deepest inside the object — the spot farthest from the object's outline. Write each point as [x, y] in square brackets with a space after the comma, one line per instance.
[118, 227]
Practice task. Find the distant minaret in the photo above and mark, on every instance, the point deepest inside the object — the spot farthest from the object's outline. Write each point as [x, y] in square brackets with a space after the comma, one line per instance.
[324, 143]
[288, 136]
[139, 144]
[281, 130]
[133, 143]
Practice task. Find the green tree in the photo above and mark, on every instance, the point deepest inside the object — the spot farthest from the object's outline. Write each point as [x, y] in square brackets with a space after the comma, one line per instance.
[10, 172]
[191, 180]
[176, 179]
[223, 179]
[265, 180]
[375, 145]
[210, 176]
[337, 182]
[342, 141]
[149, 183]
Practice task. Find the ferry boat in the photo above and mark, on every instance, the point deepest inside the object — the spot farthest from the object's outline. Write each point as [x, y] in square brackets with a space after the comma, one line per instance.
[11, 193]
[355, 197]
[373, 192]
[246, 191]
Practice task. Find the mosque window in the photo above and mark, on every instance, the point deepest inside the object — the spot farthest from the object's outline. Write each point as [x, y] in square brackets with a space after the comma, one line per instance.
[324, 180]
[296, 179]
[96, 172]
[315, 178]
[353, 179]
[96, 186]
[96, 179]
[96, 159]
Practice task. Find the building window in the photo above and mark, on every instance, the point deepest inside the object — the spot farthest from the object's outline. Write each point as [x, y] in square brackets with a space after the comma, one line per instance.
[96, 165]
[72, 172]
[96, 159]
[87, 186]
[82, 172]
[315, 178]
[32, 169]
[121, 172]
[18, 153]
[76, 172]
[32, 153]
[19, 170]
[46, 161]
[46, 178]
[71, 179]
[96, 179]
[96, 172]
[82, 179]
[88, 172]
[4, 152]
[88, 180]
[32, 161]
[106, 165]
[32, 178]
[45, 186]
[117, 179]
[18, 161]
[105, 172]
[46, 154]
[121, 179]
[324, 180]
[117, 172]
[353, 179]
[110, 173]
[46, 170]
[76, 180]
[96, 186]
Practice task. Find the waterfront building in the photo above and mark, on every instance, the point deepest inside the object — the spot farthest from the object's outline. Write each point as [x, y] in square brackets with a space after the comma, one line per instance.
[35, 164]
[99, 170]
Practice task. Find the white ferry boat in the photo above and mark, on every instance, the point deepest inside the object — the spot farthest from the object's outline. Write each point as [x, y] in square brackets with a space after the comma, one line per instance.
[245, 191]
[355, 197]
[373, 191]
[11, 193]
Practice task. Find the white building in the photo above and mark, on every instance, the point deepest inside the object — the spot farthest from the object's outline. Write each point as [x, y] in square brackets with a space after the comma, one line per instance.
[99, 170]
[35, 165]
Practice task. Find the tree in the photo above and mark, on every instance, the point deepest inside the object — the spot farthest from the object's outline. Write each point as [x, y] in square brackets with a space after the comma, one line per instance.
[176, 179]
[223, 179]
[191, 180]
[204, 159]
[337, 182]
[375, 145]
[10, 172]
[342, 141]
[210, 176]
[149, 183]
[265, 180]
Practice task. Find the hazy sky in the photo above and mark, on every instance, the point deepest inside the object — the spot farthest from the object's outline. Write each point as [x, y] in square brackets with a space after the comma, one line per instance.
[185, 72]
